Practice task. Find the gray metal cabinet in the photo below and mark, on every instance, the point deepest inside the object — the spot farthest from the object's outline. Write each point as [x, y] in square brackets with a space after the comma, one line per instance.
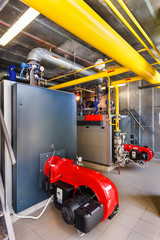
[41, 117]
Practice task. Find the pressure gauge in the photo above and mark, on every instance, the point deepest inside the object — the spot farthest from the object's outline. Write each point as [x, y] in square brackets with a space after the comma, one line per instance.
[41, 68]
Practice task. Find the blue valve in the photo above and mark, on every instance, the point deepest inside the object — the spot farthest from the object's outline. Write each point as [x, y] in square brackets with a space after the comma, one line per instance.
[24, 65]
[96, 105]
[11, 72]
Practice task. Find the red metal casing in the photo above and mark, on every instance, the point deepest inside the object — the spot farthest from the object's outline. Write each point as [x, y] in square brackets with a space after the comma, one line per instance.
[129, 147]
[63, 169]
[94, 117]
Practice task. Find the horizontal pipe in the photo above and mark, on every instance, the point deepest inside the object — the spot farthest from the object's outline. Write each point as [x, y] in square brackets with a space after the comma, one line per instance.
[78, 18]
[126, 9]
[98, 64]
[126, 80]
[48, 44]
[149, 86]
[132, 79]
[109, 73]
[43, 55]
[116, 11]
[108, 61]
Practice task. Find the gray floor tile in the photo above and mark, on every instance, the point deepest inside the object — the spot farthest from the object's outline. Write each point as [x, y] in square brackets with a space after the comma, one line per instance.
[117, 231]
[151, 217]
[94, 235]
[26, 233]
[57, 233]
[126, 220]
[147, 229]
[134, 210]
[137, 236]
[105, 236]
[138, 217]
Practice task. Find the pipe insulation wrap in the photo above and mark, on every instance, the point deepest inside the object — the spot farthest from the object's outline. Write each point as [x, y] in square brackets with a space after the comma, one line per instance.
[81, 20]
[43, 55]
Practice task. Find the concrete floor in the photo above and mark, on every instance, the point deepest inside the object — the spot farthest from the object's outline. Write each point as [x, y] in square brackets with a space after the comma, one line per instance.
[138, 217]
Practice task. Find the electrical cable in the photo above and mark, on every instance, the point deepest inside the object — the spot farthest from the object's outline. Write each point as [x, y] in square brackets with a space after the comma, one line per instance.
[32, 217]
[137, 164]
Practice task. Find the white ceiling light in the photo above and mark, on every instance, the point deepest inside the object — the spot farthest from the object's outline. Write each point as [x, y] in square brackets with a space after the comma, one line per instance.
[121, 85]
[19, 25]
[103, 88]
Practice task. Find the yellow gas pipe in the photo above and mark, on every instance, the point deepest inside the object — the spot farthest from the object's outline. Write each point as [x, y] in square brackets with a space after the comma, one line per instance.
[116, 11]
[109, 99]
[95, 65]
[117, 115]
[109, 103]
[77, 17]
[108, 73]
[111, 72]
[126, 80]
[126, 9]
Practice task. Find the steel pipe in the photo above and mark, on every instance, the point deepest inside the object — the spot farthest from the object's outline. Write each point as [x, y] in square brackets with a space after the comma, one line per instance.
[7, 139]
[91, 78]
[3, 4]
[78, 18]
[43, 55]
[98, 64]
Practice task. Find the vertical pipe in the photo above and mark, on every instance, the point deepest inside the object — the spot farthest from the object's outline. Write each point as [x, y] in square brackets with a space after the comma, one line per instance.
[153, 135]
[109, 99]
[7, 139]
[117, 109]
[140, 112]
[117, 100]
[128, 96]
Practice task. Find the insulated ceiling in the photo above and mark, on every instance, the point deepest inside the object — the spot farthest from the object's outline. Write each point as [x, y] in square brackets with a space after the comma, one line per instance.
[44, 33]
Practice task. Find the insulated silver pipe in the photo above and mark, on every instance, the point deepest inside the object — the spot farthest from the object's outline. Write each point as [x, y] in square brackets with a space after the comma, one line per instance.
[43, 55]
[3, 74]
